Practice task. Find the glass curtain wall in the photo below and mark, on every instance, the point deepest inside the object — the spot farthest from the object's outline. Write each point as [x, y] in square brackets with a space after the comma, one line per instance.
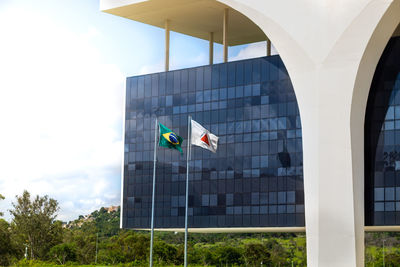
[254, 180]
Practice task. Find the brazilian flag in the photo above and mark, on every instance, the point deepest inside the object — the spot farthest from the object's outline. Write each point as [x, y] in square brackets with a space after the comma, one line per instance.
[170, 139]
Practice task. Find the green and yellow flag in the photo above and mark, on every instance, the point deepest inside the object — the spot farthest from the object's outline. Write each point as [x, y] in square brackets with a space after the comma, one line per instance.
[170, 139]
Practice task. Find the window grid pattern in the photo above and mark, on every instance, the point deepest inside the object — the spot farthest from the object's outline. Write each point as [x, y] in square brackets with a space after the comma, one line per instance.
[255, 179]
[382, 141]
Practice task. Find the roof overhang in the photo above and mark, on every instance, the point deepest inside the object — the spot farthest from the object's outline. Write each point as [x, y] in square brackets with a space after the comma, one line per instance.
[196, 18]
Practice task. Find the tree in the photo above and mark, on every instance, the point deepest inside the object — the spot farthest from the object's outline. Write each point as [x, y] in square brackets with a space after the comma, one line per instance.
[393, 259]
[278, 254]
[5, 241]
[6, 248]
[34, 224]
[165, 253]
[63, 253]
[125, 247]
[135, 246]
[106, 223]
[112, 252]
[228, 255]
[255, 253]
[202, 255]
[85, 240]
[1, 198]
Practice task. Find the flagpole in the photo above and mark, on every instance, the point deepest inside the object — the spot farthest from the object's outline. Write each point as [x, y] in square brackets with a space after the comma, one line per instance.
[154, 192]
[189, 151]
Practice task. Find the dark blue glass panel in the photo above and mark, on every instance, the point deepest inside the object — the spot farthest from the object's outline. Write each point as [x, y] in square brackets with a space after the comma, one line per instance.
[134, 87]
[170, 83]
[223, 76]
[141, 87]
[147, 85]
[231, 74]
[239, 73]
[248, 74]
[184, 80]
[162, 83]
[154, 85]
[215, 76]
[256, 72]
[207, 77]
[177, 82]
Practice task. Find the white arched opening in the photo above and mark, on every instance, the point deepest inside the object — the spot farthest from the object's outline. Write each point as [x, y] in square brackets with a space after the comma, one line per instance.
[379, 38]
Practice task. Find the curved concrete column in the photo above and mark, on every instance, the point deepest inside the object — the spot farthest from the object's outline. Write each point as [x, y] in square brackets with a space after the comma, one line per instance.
[331, 49]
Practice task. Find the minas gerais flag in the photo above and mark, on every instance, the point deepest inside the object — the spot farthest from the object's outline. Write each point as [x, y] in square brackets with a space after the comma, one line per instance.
[203, 138]
[169, 139]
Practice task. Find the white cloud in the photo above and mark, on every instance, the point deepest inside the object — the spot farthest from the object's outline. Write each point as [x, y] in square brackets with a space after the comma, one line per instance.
[60, 114]
[253, 50]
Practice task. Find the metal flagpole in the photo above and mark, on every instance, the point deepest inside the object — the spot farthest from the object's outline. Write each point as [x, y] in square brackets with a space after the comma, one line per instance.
[154, 193]
[189, 142]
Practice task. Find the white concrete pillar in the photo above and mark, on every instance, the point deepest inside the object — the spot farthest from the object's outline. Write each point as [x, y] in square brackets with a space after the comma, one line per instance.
[211, 48]
[268, 47]
[225, 34]
[332, 228]
[167, 30]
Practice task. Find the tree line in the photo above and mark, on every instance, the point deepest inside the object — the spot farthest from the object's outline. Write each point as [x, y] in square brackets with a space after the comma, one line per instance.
[34, 237]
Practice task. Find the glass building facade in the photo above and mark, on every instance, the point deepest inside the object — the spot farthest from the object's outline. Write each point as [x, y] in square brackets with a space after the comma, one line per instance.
[254, 180]
[382, 141]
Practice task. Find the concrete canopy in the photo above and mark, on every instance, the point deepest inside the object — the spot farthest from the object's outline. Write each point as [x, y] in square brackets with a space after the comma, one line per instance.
[196, 18]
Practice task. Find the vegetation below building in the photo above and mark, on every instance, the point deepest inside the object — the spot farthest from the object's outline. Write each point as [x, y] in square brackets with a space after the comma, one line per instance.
[48, 242]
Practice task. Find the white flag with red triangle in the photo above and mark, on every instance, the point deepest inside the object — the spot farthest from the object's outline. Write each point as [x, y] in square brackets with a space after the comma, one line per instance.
[203, 138]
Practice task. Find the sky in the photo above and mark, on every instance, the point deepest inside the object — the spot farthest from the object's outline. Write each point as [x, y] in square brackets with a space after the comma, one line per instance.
[63, 66]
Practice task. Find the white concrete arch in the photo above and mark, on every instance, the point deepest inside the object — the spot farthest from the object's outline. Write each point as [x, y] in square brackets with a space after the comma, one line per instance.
[331, 65]
[350, 67]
